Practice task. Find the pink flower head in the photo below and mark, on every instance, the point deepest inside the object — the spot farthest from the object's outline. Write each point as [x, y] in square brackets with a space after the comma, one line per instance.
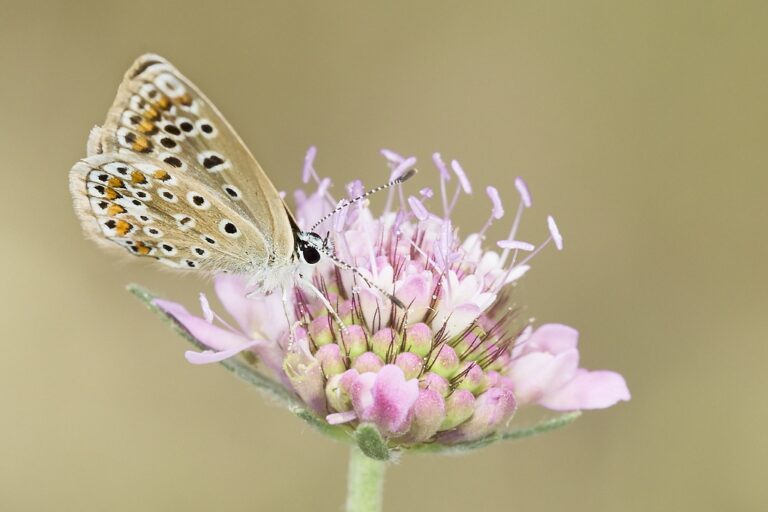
[450, 367]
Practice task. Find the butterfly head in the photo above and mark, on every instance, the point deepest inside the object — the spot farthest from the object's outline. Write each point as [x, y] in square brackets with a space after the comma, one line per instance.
[310, 246]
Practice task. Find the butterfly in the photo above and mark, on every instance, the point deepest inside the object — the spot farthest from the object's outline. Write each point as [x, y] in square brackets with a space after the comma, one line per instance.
[168, 178]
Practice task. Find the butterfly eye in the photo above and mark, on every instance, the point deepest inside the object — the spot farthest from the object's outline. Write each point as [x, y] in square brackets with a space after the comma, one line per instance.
[310, 254]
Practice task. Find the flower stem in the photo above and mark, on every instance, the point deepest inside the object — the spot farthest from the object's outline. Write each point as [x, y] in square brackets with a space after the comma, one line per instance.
[365, 483]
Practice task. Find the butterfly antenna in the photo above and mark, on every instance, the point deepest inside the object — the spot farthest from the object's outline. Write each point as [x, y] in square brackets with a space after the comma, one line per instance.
[369, 193]
[346, 266]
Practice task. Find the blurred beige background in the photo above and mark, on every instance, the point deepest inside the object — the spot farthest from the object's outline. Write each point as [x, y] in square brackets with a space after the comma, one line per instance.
[641, 127]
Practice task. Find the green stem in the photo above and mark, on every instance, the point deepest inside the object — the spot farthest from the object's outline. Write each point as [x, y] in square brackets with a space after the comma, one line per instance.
[365, 483]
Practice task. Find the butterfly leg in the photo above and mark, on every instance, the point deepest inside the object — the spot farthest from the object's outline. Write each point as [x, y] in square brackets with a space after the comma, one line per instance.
[291, 325]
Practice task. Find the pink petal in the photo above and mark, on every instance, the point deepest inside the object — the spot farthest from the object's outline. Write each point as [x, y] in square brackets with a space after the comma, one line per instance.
[460, 318]
[537, 374]
[498, 208]
[211, 356]
[517, 272]
[416, 293]
[341, 417]
[391, 399]
[231, 291]
[206, 307]
[553, 338]
[208, 334]
[589, 390]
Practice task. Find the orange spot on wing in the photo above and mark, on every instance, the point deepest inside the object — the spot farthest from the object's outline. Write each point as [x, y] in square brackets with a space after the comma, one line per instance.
[122, 228]
[145, 126]
[138, 178]
[115, 209]
[142, 249]
[161, 175]
[163, 103]
[185, 99]
[110, 193]
[151, 114]
[115, 182]
[141, 145]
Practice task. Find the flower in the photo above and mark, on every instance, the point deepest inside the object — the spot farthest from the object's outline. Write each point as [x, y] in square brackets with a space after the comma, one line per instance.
[450, 367]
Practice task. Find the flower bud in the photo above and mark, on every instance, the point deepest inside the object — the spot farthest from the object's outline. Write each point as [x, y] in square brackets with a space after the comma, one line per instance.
[320, 330]
[418, 339]
[353, 342]
[410, 363]
[459, 406]
[445, 361]
[492, 409]
[468, 347]
[337, 396]
[473, 379]
[367, 362]
[385, 344]
[307, 379]
[431, 380]
[428, 414]
[331, 359]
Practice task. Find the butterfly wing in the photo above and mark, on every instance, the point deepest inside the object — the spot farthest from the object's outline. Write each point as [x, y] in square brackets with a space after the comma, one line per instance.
[158, 113]
[152, 210]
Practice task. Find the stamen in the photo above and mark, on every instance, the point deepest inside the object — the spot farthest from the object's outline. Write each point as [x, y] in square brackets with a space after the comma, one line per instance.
[392, 156]
[463, 180]
[558, 239]
[309, 168]
[516, 245]
[498, 208]
[397, 171]
[522, 189]
[418, 209]
[445, 176]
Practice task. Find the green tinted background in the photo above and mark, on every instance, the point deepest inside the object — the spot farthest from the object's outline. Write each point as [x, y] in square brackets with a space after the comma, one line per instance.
[641, 127]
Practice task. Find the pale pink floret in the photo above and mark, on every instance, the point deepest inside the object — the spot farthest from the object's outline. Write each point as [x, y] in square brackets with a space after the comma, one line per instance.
[384, 398]
[545, 370]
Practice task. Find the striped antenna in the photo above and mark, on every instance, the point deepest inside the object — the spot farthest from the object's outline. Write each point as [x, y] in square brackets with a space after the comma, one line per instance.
[345, 204]
[346, 266]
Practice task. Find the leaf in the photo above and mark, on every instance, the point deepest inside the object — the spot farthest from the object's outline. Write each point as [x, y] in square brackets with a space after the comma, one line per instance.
[371, 442]
[335, 432]
[542, 427]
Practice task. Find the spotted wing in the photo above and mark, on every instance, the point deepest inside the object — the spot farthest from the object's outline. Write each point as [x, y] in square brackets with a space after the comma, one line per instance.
[154, 210]
[159, 113]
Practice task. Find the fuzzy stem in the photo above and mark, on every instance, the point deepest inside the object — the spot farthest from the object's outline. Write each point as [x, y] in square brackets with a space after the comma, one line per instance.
[365, 483]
